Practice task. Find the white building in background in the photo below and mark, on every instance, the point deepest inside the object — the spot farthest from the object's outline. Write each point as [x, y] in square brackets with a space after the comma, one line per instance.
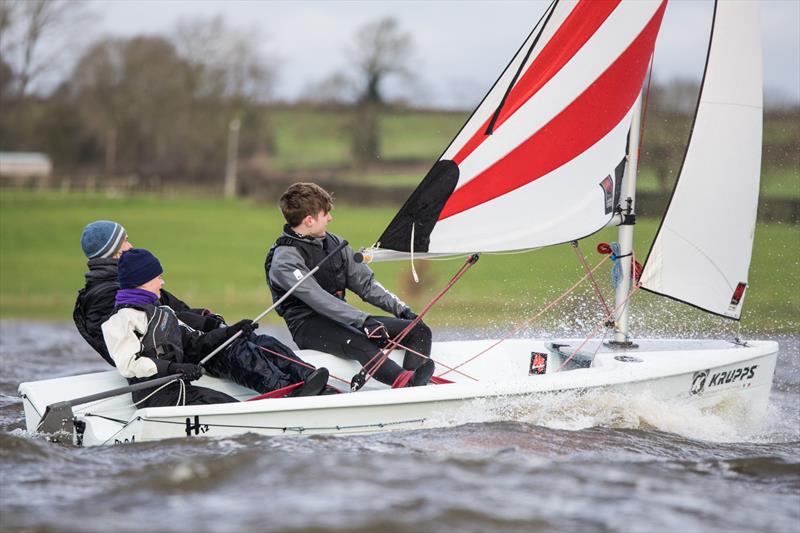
[18, 166]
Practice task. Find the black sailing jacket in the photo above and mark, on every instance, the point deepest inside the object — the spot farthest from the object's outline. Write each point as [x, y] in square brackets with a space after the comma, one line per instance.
[95, 304]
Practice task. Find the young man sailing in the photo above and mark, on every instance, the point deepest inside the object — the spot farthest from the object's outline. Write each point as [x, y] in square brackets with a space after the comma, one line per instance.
[317, 314]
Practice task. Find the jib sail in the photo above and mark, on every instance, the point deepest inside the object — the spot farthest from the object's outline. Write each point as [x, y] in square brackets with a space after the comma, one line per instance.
[701, 253]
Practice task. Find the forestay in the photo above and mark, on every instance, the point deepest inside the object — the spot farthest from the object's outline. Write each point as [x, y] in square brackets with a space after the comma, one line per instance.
[540, 161]
[701, 254]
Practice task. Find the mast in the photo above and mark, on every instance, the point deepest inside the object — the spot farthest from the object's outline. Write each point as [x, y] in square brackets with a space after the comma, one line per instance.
[625, 236]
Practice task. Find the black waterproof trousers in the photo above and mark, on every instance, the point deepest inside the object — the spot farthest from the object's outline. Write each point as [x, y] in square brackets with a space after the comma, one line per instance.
[326, 335]
[170, 394]
[245, 363]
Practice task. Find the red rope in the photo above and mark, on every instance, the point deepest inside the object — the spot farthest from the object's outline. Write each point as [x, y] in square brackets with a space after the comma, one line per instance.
[624, 302]
[402, 379]
[301, 363]
[407, 349]
[277, 393]
[384, 352]
[529, 320]
[586, 268]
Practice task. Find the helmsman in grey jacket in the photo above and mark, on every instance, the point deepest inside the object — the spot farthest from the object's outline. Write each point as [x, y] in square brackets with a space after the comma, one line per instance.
[317, 313]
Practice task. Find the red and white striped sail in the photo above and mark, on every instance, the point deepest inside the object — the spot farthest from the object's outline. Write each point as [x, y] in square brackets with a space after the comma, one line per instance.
[701, 254]
[540, 161]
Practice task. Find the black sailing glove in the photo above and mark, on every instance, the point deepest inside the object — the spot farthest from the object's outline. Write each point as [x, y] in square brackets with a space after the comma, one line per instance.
[407, 314]
[246, 326]
[376, 332]
[189, 371]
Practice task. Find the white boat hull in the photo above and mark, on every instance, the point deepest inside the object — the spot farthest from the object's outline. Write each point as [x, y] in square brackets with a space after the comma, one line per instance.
[700, 372]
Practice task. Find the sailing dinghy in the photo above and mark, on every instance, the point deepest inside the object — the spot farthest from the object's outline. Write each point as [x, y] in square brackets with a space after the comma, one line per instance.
[562, 121]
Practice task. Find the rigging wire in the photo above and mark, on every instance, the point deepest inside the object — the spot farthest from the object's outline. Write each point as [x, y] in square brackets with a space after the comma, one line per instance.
[369, 368]
[591, 335]
[298, 429]
[301, 363]
[634, 286]
[582, 259]
[531, 319]
[397, 346]
[407, 349]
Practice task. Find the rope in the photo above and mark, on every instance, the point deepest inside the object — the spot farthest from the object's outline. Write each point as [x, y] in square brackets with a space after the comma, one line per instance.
[181, 392]
[600, 324]
[582, 259]
[384, 352]
[402, 379]
[411, 248]
[121, 429]
[301, 363]
[298, 429]
[25, 397]
[277, 393]
[531, 319]
[407, 349]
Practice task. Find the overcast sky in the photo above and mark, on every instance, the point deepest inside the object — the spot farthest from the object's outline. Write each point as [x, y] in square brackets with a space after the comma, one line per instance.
[460, 47]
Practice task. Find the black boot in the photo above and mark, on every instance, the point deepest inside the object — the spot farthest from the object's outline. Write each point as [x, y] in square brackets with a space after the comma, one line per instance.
[314, 384]
[422, 375]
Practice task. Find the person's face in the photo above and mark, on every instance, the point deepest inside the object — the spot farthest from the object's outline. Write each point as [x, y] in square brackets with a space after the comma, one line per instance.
[154, 286]
[315, 226]
[124, 247]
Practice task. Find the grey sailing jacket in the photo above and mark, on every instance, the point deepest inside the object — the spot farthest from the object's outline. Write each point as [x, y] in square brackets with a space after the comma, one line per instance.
[288, 267]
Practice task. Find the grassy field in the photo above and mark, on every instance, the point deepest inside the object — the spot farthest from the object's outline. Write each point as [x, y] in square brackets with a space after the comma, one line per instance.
[213, 253]
[319, 139]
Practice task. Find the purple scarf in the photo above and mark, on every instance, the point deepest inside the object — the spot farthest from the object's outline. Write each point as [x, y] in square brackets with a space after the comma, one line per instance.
[135, 297]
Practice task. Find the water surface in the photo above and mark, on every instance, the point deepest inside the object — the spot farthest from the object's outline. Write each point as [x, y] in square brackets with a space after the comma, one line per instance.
[600, 462]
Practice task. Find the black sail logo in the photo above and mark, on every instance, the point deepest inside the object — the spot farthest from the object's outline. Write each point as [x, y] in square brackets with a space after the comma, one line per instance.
[608, 193]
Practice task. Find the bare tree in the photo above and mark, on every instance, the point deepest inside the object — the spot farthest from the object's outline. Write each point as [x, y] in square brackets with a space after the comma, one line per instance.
[37, 35]
[338, 89]
[381, 51]
[162, 109]
[227, 62]
[134, 94]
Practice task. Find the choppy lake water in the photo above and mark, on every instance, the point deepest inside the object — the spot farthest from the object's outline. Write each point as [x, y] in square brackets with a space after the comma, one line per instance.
[599, 463]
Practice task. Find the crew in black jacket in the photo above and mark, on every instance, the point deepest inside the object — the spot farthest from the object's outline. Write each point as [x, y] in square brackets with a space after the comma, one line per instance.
[245, 363]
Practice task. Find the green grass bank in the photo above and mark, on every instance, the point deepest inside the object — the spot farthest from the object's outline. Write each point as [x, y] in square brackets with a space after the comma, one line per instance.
[213, 254]
[309, 139]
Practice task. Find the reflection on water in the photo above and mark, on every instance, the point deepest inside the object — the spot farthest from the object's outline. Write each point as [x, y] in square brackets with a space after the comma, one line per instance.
[600, 462]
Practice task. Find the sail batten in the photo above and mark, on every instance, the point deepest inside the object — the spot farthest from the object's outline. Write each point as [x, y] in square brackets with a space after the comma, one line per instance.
[702, 250]
[555, 142]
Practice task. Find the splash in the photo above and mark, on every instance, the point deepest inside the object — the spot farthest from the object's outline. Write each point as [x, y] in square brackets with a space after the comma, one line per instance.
[728, 421]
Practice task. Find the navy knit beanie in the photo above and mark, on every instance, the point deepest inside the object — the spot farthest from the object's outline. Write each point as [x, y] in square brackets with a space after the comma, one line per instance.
[102, 238]
[136, 267]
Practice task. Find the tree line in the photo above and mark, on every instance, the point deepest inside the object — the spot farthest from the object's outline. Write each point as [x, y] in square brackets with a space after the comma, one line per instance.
[161, 105]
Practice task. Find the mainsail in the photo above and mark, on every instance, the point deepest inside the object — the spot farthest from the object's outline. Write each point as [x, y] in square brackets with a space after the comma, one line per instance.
[701, 254]
[540, 161]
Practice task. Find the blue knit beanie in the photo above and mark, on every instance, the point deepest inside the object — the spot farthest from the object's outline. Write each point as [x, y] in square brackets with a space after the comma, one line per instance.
[102, 238]
[136, 267]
